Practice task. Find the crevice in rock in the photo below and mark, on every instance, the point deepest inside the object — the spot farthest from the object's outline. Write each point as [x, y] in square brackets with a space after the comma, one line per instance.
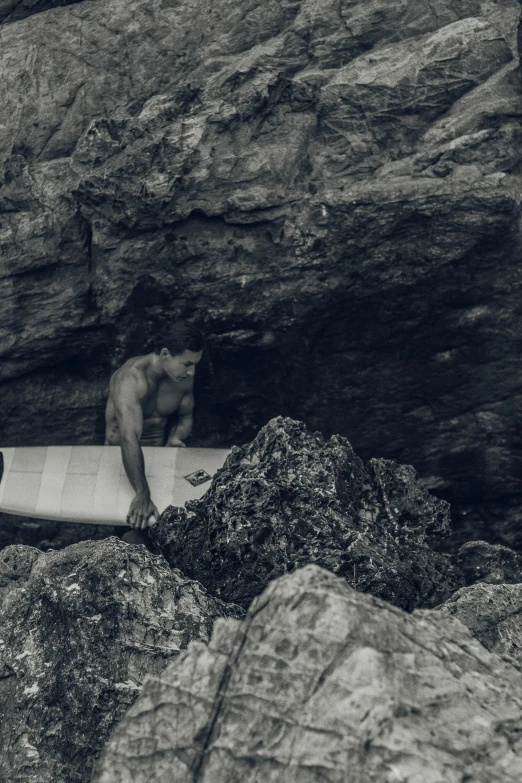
[205, 739]
[88, 245]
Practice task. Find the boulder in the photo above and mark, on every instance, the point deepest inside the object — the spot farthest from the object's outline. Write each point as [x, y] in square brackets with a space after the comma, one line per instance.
[492, 613]
[491, 563]
[79, 630]
[291, 498]
[322, 683]
[331, 191]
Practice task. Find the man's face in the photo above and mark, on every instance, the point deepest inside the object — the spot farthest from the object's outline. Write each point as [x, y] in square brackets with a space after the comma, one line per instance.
[180, 366]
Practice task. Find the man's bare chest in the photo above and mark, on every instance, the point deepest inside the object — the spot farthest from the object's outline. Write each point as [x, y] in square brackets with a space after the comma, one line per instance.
[162, 401]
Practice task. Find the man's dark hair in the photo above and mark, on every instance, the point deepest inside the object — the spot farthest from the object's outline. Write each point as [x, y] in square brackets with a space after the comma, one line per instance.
[179, 337]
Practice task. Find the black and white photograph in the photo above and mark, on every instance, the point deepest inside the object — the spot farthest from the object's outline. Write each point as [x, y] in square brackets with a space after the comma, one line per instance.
[260, 391]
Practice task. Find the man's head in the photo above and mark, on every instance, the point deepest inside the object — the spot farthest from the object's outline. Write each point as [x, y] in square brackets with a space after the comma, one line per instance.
[180, 348]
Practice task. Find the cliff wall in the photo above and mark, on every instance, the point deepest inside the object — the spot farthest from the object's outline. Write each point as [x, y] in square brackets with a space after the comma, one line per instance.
[329, 189]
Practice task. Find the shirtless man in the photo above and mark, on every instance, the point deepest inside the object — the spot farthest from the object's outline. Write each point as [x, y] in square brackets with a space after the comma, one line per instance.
[144, 394]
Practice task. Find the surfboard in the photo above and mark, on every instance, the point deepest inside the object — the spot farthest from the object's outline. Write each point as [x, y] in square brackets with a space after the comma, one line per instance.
[88, 483]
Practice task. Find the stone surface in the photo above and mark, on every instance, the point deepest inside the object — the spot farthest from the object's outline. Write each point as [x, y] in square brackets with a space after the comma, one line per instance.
[321, 683]
[291, 498]
[494, 564]
[79, 631]
[497, 520]
[492, 613]
[331, 190]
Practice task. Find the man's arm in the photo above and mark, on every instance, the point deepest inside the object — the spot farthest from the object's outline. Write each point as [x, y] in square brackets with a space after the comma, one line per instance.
[128, 393]
[183, 426]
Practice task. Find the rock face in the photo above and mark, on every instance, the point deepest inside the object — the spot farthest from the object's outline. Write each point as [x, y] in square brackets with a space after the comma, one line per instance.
[331, 190]
[79, 630]
[321, 683]
[492, 613]
[290, 498]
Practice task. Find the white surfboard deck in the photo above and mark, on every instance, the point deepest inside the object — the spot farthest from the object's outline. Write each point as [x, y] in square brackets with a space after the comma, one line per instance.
[88, 483]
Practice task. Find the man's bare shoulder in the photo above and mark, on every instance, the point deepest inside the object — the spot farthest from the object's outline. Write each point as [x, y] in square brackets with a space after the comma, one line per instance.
[130, 380]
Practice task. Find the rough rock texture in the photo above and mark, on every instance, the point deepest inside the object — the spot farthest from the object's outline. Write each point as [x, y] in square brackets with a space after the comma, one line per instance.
[330, 189]
[492, 613]
[494, 564]
[321, 683]
[79, 630]
[291, 498]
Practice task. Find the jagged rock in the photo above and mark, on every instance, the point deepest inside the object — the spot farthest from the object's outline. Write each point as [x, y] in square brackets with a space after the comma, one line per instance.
[321, 683]
[492, 613]
[291, 498]
[332, 191]
[492, 563]
[79, 630]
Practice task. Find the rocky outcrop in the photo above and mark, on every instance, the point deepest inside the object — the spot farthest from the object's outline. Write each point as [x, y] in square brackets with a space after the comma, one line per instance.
[79, 630]
[492, 613]
[330, 190]
[291, 498]
[321, 683]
